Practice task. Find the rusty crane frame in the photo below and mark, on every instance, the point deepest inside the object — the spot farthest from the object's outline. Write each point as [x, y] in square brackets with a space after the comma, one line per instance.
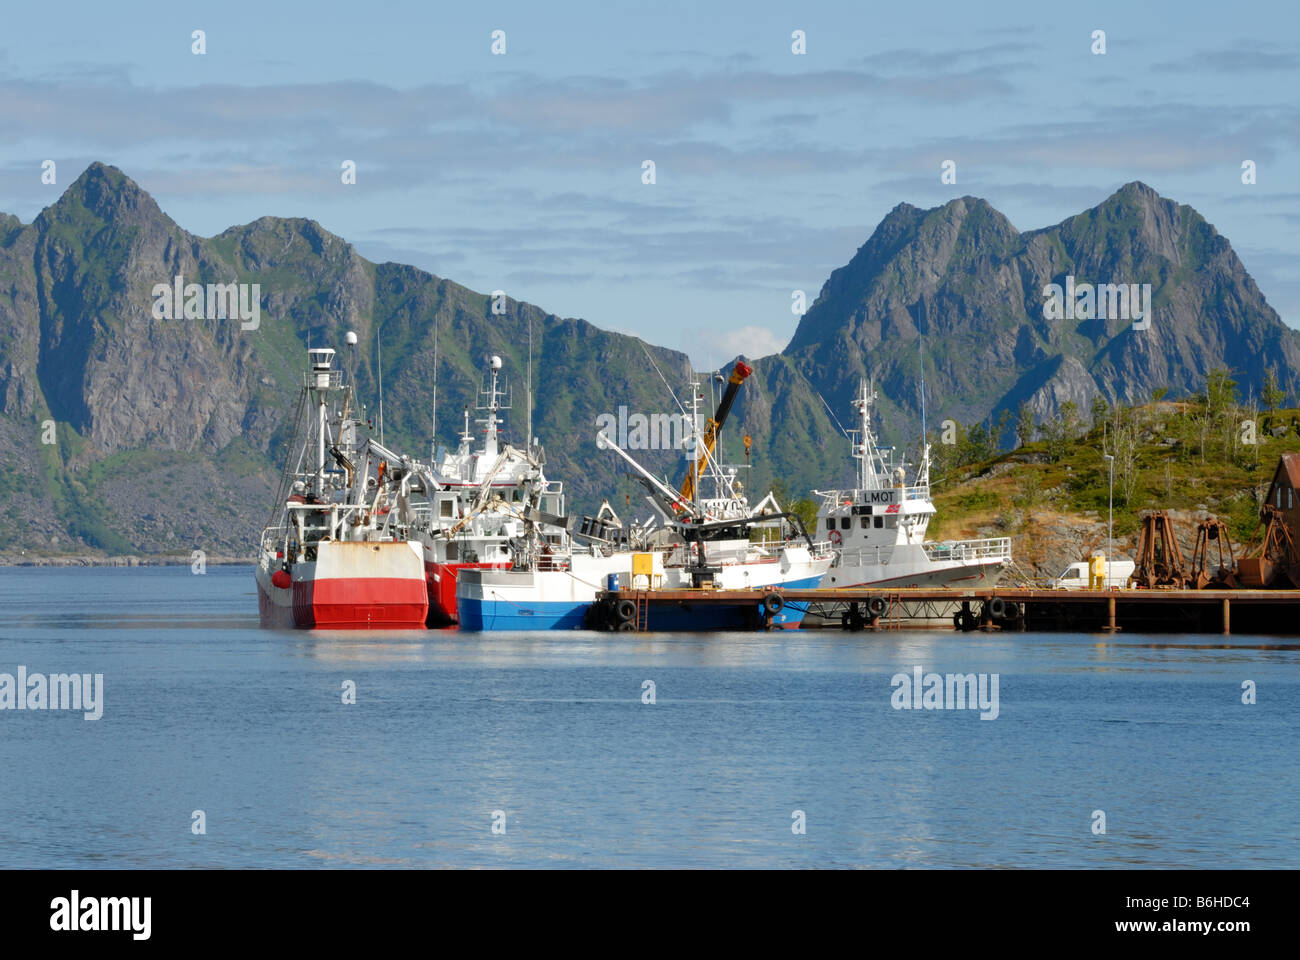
[1212, 531]
[1160, 561]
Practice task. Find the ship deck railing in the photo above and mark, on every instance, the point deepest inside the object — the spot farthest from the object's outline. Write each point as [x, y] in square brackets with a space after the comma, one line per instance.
[679, 554]
[993, 549]
[272, 535]
[309, 378]
[838, 498]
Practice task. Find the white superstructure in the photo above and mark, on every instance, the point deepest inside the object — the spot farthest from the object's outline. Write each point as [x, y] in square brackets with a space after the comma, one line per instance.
[878, 528]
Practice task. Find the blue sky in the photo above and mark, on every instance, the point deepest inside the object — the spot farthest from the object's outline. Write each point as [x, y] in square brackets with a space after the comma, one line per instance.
[522, 172]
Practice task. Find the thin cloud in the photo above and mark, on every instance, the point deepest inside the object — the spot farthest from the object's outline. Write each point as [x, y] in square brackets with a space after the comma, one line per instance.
[750, 341]
[1242, 58]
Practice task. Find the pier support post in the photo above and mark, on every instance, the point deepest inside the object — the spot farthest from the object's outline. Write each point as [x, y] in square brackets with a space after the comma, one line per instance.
[1227, 617]
[1110, 614]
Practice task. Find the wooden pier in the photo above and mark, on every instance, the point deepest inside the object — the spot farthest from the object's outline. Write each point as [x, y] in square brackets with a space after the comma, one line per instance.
[991, 608]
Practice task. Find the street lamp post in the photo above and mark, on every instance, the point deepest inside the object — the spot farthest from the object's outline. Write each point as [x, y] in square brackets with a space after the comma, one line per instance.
[1110, 523]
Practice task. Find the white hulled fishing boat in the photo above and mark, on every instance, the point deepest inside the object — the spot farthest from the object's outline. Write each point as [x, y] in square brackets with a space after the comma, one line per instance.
[878, 528]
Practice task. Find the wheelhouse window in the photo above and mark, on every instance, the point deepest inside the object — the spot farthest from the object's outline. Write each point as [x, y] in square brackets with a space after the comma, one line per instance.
[880, 522]
[845, 522]
[830, 523]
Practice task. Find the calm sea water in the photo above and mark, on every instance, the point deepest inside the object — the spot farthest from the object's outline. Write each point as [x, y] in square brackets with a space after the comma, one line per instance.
[205, 711]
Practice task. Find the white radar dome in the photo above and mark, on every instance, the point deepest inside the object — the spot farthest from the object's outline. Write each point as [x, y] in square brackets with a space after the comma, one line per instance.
[351, 338]
[496, 362]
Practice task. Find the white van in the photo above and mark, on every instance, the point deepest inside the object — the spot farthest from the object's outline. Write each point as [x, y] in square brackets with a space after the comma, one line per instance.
[1075, 576]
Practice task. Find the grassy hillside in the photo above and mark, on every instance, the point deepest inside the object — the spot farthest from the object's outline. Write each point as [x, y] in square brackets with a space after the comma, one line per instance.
[1051, 494]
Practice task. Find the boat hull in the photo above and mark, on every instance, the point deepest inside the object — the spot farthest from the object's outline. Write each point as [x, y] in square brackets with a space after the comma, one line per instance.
[350, 586]
[955, 576]
[523, 600]
[909, 565]
[559, 600]
[920, 572]
[441, 578]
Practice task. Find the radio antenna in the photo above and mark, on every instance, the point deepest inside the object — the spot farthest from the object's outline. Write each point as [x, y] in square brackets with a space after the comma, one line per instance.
[920, 346]
[433, 440]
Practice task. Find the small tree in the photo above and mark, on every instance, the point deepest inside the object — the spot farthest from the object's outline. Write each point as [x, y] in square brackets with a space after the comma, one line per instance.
[802, 507]
[806, 510]
[1220, 391]
[1124, 442]
[1219, 398]
[1062, 431]
[1024, 424]
[943, 456]
[1272, 396]
[975, 444]
[1100, 410]
[1000, 429]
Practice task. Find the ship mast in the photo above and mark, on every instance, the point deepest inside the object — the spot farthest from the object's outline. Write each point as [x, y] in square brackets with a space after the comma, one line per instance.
[528, 440]
[923, 470]
[433, 437]
[492, 407]
[321, 360]
[696, 397]
[864, 451]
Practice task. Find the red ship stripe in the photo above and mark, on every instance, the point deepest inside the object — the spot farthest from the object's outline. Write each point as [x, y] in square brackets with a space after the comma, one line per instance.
[361, 602]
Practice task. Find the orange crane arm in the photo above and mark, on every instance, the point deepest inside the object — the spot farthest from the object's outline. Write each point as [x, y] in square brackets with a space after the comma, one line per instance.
[713, 426]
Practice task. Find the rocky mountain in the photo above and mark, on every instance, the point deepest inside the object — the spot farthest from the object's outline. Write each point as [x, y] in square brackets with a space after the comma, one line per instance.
[168, 432]
[964, 280]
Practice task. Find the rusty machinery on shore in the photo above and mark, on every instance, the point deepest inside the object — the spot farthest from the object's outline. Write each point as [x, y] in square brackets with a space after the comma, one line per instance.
[1276, 563]
[1160, 561]
[1212, 531]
